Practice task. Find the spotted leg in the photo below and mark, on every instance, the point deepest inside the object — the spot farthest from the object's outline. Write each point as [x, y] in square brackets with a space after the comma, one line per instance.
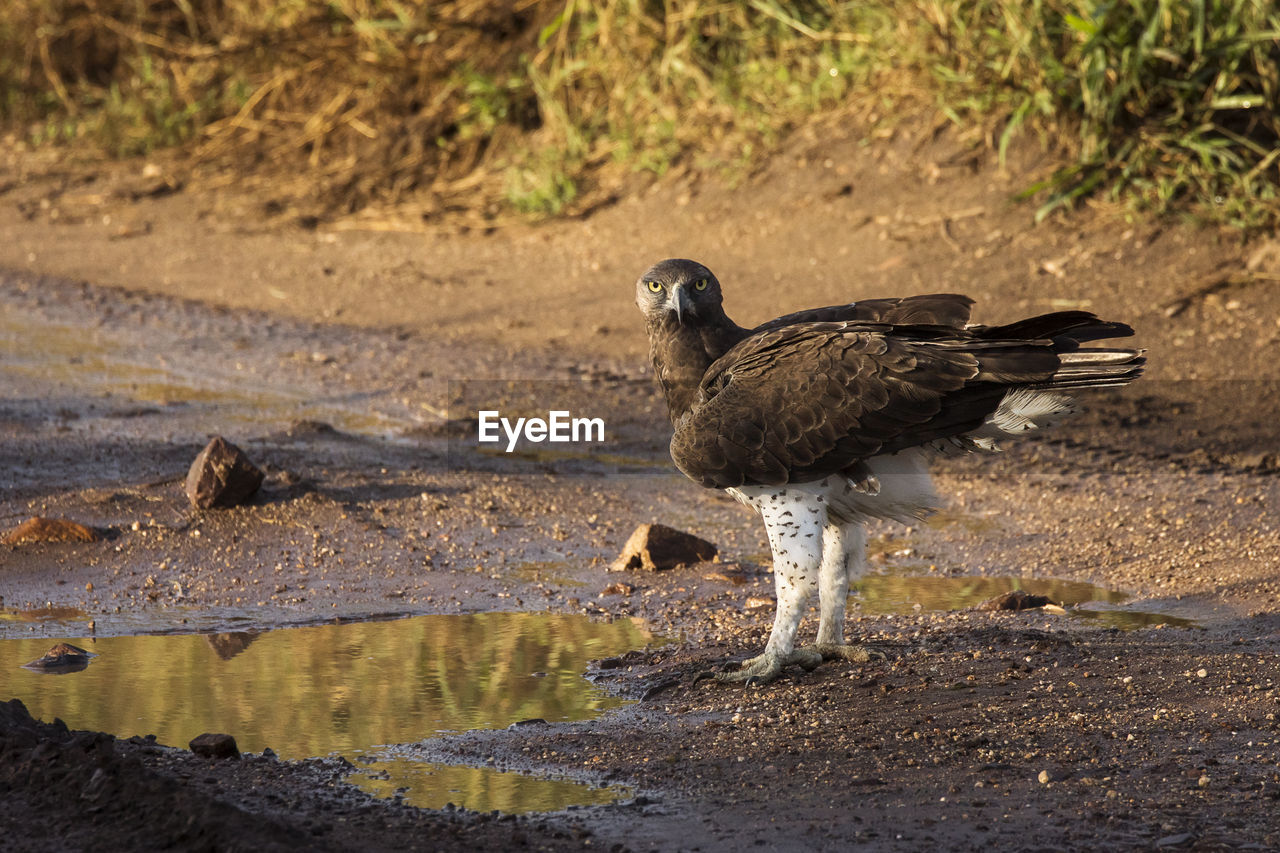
[794, 524]
[843, 561]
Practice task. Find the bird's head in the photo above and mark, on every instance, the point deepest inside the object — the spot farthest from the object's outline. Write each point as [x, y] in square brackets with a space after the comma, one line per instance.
[682, 289]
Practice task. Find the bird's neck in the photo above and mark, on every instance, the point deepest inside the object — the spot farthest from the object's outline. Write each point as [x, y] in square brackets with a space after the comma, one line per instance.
[682, 352]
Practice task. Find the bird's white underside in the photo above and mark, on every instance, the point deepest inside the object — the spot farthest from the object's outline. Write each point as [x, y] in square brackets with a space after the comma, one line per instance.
[816, 529]
[818, 542]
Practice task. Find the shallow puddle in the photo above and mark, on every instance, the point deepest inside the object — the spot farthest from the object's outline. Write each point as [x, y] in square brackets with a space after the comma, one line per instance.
[354, 690]
[162, 373]
[896, 593]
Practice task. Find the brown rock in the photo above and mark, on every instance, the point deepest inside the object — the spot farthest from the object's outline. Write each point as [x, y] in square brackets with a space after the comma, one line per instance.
[221, 476]
[212, 745]
[1014, 600]
[656, 546]
[39, 529]
[62, 658]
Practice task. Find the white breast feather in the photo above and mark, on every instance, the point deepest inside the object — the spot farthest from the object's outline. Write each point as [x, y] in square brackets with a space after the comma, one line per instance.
[905, 491]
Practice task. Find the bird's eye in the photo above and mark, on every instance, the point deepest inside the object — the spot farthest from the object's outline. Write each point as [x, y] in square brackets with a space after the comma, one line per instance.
[655, 287]
[700, 285]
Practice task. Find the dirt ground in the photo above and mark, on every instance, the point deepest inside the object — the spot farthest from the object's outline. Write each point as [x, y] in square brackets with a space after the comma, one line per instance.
[350, 364]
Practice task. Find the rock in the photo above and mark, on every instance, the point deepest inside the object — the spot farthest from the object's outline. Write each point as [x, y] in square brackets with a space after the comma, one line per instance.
[1014, 600]
[532, 721]
[658, 688]
[618, 589]
[656, 546]
[305, 428]
[39, 529]
[212, 745]
[221, 476]
[60, 659]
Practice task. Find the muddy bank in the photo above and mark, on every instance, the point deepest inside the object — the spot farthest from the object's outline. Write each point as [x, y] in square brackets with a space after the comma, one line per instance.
[68, 790]
[981, 732]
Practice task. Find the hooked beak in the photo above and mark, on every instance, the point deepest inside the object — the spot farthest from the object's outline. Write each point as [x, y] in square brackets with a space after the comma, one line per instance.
[680, 303]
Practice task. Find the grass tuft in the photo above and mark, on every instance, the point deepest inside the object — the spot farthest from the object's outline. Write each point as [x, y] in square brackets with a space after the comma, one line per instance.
[1165, 103]
[487, 109]
[453, 107]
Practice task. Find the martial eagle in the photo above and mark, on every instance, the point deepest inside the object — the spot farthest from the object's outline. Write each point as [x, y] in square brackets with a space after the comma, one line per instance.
[823, 419]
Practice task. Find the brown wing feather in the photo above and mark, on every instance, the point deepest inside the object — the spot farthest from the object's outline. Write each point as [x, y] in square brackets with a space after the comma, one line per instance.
[934, 309]
[1065, 328]
[799, 403]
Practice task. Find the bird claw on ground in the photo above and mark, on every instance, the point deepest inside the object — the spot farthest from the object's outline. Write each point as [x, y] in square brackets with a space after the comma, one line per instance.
[766, 668]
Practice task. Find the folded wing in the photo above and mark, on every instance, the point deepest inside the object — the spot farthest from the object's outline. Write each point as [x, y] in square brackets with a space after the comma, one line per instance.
[798, 402]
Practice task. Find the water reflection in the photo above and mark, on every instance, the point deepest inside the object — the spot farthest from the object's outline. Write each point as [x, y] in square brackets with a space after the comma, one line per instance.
[231, 643]
[433, 786]
[346, 689]
[901, 593]
[893, 593]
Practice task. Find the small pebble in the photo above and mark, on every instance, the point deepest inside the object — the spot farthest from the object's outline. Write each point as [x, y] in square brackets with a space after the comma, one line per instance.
[1043, 777]
[1202, 673]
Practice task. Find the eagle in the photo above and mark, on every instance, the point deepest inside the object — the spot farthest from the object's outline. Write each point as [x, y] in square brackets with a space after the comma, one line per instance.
[824, 419]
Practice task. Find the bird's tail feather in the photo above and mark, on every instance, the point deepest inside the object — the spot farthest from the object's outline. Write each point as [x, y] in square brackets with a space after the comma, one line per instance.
[1067, 329]
[1042, 402]
[1097, 368]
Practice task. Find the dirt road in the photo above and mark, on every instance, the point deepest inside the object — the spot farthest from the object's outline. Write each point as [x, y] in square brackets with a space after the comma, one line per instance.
[353, 365]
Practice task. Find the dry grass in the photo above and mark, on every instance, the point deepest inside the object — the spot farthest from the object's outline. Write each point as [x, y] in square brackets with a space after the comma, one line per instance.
[1171, 104]
[470, 108]
[481, 111]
